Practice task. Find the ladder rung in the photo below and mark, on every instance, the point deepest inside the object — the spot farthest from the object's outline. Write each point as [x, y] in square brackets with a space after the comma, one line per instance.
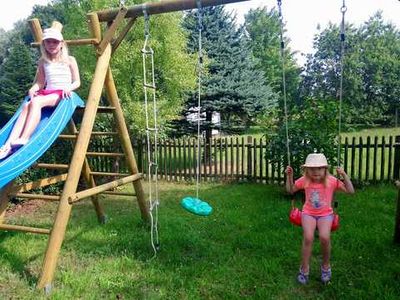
[67, 136]
[94, 133]
[39, 183]
[152, 129]
[119, 193]
[105, 109]
[37, 196]
[150, 86]
[100, 109]
[24, 228]
[108, 174]
[52, 166]
[104, 133]
[112, 154]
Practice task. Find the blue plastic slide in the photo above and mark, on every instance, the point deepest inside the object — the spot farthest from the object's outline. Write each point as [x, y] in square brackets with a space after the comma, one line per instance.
[52, 123]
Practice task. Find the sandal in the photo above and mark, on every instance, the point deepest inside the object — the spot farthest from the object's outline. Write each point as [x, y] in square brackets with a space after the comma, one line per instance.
[302, 277]
[326, 275]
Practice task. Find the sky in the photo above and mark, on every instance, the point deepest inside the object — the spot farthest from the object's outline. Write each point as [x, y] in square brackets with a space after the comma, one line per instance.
[301, 16]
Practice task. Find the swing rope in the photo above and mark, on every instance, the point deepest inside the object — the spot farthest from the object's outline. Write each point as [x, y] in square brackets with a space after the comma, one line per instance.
[282, 52]
[343, 10]
[199, 73]
[151, 132]
[191, 204]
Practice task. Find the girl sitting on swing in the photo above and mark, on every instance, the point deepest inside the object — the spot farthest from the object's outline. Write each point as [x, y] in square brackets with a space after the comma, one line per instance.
[319, 187]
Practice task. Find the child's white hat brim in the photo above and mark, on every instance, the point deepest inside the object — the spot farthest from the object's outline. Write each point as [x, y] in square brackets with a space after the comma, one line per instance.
[52, 33]
[315, 160]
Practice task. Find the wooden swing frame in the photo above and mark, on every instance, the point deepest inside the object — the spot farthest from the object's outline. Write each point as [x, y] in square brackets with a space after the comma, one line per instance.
[105, 44]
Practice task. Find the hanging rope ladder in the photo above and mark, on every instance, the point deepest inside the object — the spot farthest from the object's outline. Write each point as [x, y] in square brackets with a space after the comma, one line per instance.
[149, 89]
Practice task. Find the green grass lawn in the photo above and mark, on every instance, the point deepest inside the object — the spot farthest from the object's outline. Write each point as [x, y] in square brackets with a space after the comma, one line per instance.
[246, 249]
[379, 132]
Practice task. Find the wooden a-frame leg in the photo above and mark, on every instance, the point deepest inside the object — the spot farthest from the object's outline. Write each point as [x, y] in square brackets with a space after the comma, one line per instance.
[126, 143]
[4, 199]
[74, 172]
[101, 216]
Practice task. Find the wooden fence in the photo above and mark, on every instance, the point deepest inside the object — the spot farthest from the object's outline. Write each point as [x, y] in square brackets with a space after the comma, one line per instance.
[239, 159]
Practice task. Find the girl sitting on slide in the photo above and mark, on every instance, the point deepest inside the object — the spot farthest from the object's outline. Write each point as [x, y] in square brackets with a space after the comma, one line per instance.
[57, 76]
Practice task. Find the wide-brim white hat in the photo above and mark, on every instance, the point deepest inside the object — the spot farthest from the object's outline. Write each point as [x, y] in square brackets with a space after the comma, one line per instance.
[52, 33]
[315, 160]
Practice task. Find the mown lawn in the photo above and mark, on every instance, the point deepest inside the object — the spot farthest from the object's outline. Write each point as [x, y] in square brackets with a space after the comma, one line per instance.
[245, 249]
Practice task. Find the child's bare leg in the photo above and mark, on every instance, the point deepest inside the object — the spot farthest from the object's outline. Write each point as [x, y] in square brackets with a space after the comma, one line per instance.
[324, 229]
[309, 224]
[34, 114]
[19, 124]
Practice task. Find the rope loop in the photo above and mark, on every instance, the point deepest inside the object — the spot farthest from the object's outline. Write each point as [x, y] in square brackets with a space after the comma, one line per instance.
[146, 20]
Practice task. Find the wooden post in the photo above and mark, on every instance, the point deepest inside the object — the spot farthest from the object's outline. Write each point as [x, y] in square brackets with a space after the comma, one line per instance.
[396, 238]
[396, 163]
[36, 29]
[126, 143]
[86, 172]
[4, 199]
[64, 208]
[94, 26]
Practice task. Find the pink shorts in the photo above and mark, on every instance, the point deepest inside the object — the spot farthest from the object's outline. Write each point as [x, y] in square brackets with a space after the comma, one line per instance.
[49, 92]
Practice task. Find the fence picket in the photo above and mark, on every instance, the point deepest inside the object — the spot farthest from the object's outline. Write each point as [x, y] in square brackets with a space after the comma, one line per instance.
[245, 159]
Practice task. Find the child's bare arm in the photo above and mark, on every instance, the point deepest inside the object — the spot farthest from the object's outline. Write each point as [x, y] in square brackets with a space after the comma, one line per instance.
[290, 187]
[348, 185]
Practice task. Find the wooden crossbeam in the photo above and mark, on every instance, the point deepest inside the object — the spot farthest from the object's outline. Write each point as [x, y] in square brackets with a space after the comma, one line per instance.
[77, 42]
[104, 187]
[119, 193]
[24, 229]
[107, 174]
[37, 196]
[160, 7]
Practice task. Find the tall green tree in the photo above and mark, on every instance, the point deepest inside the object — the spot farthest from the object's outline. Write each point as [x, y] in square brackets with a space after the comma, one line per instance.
[174, 67]
[17, 73]
[231, 84]
[371, 70]
[263, 28]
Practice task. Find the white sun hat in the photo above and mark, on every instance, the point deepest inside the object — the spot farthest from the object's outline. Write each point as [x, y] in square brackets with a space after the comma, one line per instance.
[315, 160]
[52, 33]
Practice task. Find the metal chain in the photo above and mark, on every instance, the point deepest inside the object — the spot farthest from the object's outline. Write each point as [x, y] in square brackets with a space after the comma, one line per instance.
[282, 48]
[343, 10]
[149, 88]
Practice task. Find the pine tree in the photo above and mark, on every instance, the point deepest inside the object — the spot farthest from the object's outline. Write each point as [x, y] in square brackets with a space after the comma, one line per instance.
[17, 73]
[232, 86]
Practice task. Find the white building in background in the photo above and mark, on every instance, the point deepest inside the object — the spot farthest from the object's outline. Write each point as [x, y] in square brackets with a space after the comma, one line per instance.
[215, 120]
